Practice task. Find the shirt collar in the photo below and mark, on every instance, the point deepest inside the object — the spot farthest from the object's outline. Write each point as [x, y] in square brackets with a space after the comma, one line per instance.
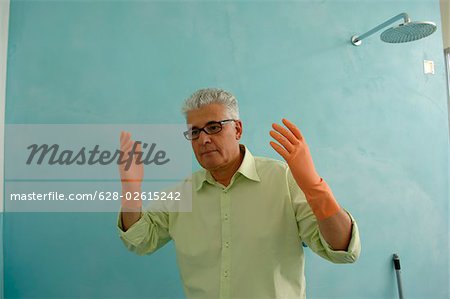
[247, 169]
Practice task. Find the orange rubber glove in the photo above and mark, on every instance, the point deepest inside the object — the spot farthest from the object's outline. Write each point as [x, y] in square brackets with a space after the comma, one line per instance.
[132, 177]
[296, 153]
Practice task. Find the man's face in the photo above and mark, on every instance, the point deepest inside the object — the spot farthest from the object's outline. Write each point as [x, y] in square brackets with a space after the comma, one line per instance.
[219, 150]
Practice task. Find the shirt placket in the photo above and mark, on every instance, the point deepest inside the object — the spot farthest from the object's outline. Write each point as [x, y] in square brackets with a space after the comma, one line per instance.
[226, 245]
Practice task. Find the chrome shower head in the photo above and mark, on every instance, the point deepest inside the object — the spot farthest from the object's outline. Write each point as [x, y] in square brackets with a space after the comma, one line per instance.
[408, 32]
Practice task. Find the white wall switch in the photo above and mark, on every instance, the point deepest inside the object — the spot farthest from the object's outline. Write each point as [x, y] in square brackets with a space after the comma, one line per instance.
[428, 67]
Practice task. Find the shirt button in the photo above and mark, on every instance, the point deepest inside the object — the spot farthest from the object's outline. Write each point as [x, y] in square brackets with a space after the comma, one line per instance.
[227, 244]
[226, 216]
[225, 274]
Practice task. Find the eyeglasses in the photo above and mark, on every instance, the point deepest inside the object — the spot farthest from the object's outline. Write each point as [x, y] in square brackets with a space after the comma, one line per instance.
[211, 128]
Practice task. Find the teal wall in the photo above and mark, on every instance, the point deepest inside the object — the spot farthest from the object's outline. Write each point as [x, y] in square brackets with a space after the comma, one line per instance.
[376, 125]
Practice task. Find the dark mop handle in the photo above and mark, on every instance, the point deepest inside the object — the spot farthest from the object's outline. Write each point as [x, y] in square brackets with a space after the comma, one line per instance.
[398, 273]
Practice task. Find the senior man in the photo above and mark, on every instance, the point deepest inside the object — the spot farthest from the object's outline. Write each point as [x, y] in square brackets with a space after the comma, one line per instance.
[249, 214]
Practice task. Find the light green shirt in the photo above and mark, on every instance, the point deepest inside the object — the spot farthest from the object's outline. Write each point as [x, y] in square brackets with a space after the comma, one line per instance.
[243, 240]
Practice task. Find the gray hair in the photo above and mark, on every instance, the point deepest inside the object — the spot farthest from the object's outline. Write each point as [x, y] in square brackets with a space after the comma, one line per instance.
[207, 96]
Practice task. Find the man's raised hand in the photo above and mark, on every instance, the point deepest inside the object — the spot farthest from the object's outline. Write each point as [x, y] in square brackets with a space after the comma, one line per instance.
[132, 176]
[295, 151]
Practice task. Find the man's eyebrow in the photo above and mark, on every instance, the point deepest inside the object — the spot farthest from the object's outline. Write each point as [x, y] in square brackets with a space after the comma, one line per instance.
[208, 123]
[211, 121]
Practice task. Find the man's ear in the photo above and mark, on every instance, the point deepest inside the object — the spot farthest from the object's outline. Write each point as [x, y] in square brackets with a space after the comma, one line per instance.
[238, 129]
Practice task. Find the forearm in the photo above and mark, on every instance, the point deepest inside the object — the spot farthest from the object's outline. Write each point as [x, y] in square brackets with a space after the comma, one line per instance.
[131, 209]
[337, 230]
[129, 218]
[334, 222]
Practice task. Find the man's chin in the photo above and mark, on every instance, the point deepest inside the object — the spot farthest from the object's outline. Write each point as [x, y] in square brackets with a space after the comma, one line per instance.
[210, 165]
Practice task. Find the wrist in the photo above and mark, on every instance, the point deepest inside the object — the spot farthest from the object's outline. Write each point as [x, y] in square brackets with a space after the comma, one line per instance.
[128, 186]
[131, 197]
[321, 200]
[306, 180]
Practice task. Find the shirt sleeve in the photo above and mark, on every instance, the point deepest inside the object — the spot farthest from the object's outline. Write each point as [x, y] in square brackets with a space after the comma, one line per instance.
[309, 232]
[148, 234]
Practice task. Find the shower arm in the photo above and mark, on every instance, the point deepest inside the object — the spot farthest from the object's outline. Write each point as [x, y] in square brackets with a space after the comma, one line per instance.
[356, 40]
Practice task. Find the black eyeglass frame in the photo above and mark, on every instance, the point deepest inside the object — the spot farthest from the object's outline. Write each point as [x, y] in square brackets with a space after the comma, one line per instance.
[220, 122]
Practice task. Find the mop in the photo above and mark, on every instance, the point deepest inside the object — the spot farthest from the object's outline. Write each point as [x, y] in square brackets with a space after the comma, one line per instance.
[396, 260]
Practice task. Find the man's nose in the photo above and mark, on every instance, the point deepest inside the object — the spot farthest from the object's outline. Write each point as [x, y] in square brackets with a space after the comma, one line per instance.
[204, 138]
